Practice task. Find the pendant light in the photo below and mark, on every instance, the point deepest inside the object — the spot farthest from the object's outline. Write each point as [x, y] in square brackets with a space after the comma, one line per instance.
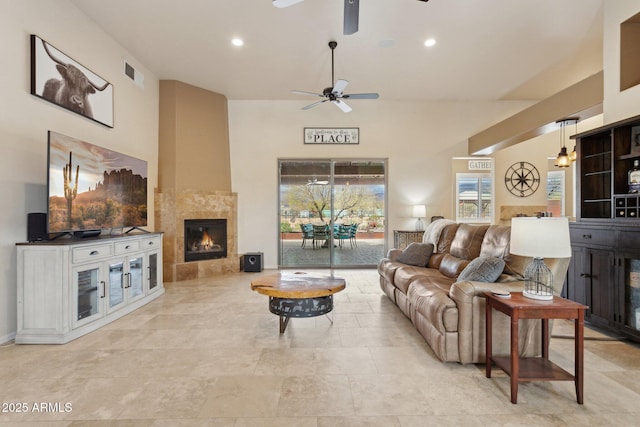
[564, 160]
[574, 156]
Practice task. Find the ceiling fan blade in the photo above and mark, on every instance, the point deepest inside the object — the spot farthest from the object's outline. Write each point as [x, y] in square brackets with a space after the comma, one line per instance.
[285, 3]
[315, 104]
[339, 87]
[351, 12]
[342, 105]
[361, 96]
[300, 92]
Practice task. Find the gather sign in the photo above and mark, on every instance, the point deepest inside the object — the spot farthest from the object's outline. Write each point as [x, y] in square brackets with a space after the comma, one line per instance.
[331, 135]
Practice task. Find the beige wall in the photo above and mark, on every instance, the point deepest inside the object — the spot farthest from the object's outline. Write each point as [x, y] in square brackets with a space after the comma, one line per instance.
[537, 151]
[418, 139]
[194, 139]
[25, 120]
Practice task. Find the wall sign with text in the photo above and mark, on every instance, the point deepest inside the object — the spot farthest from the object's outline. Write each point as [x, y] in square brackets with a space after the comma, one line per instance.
[482, 164]
[331, 135]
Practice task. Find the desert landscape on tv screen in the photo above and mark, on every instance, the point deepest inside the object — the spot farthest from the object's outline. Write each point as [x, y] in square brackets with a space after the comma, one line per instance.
[91, 187]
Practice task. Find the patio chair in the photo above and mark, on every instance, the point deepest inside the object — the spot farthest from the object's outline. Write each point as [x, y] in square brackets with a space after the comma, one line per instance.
[343, 233]
[307, 233]
[320, 234]
[353, 232]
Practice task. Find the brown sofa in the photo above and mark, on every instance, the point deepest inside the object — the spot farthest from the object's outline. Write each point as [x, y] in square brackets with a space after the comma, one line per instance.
[450, 314]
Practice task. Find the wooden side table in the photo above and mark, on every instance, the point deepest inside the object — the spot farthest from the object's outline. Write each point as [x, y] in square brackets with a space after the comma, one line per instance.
[402, 238]
[535, 368]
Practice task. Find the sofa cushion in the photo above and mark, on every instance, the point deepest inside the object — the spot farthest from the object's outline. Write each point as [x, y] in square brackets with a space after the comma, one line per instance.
[430, 299]
[446, 237]
[387, 269]
[434, 260]
[416, 254]
[483, 269]
[408, 273]
[452, 266]
[496, 242]
[468, 241]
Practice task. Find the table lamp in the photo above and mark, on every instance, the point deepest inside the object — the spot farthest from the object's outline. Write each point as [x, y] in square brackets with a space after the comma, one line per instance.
[419, 212]
[540, 238]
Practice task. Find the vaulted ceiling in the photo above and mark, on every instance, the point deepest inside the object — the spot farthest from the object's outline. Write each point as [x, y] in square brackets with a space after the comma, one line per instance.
[485, 49]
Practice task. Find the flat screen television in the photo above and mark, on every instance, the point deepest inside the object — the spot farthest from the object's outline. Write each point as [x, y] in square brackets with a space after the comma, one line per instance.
[92, 188]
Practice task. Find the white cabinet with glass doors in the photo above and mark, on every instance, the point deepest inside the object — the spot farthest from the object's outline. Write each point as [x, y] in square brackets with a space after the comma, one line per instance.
[67, 289]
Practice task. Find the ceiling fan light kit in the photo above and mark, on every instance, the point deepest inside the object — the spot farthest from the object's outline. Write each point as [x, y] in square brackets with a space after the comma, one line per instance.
[335, 93]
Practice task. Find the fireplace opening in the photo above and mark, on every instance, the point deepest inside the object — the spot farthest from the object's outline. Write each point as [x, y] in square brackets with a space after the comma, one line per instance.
[205, 239]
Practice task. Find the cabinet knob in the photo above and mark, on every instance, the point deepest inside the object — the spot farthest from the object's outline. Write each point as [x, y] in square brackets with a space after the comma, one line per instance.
[94, 253]
[586, 236]
[128, 247]
[150, 243]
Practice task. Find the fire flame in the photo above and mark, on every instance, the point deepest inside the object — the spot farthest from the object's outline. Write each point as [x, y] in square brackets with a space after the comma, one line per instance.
[206, 241]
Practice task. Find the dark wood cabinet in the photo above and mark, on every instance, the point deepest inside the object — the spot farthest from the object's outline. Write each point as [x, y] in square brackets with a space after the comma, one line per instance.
[605, 267]
[590, 277]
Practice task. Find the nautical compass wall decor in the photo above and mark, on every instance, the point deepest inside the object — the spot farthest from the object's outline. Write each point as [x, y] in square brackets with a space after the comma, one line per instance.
[522, 179]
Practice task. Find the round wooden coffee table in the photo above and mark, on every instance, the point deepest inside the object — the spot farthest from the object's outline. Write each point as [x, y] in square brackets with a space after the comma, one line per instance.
[298, 294]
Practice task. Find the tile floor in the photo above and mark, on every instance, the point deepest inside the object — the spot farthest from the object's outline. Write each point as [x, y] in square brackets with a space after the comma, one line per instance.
[208, 353]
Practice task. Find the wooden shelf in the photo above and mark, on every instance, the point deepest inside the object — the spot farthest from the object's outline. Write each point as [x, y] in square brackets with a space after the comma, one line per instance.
[628, 156]
[534, 369]
[591, 156]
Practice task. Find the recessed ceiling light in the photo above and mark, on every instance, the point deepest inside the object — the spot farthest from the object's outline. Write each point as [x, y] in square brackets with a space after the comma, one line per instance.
[430, 42]
[237, 42]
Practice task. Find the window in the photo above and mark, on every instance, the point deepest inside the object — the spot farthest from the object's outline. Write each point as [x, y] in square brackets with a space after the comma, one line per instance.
[474, 197]
[555, 193]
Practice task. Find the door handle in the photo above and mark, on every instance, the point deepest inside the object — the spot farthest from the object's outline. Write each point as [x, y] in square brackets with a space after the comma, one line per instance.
[104, 291]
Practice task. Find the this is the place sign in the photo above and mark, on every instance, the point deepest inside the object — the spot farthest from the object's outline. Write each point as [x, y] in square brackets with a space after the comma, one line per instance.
[331, 135]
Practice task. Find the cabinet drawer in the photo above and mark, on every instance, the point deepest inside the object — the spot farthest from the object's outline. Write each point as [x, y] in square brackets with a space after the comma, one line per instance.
[126, 247]
[151, 242]
[89, 253]
[591, 236]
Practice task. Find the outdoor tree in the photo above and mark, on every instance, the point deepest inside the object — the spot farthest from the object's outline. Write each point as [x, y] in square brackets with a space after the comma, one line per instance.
[316, 198]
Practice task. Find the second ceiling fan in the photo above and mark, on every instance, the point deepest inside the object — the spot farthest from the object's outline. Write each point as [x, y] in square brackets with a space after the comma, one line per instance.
[335, 94]
[351, 13]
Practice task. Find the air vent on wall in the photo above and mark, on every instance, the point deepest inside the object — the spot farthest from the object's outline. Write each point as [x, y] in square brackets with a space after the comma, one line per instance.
[133, 74]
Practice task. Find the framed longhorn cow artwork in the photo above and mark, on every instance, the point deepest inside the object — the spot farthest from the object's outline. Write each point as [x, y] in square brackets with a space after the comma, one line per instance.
[59, 79]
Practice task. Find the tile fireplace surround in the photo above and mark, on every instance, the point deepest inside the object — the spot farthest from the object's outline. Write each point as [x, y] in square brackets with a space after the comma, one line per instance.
[172, 209]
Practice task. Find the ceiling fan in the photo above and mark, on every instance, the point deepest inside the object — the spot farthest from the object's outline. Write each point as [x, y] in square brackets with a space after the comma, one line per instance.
[335, 94]
[351, 13]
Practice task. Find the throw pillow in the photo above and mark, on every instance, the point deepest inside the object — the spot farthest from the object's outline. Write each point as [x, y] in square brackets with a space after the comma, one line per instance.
[417, 254]
[483, 269]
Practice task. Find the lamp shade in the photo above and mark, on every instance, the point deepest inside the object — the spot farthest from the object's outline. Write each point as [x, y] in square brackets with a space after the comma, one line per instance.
[419, 211]
[545, 237]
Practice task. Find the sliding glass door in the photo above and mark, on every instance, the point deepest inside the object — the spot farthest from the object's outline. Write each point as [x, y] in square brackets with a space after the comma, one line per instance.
[332, 213]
